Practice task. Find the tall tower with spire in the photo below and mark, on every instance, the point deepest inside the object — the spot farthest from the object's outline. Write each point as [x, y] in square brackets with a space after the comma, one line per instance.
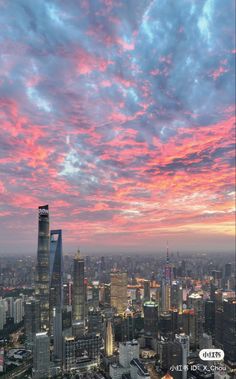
[166, 284]
[78, 303]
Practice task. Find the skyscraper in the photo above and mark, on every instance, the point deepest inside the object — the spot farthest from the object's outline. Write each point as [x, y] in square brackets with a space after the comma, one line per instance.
[78, 304]
[32, 320]
[41, 356]
[183, 339]
[119, 281]
[229, 334]
[188, 324]
[177, 296]
[146, 290]
[56, 269]
[42, 275]
[166, 285]
[109, 339]
[150, 310]
[195, 301]
[209, 325]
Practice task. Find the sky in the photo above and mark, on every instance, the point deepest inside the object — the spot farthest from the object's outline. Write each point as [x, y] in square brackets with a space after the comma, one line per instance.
[119, 115]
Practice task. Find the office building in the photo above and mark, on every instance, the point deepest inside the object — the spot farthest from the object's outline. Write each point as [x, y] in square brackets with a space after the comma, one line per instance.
[32, 320]
[177, 296]
[56, 292]
[188, 323]
[67, 293]
[128, 327]
[69, 354]
[128, 351]
[42, 270]
[219, 318]
[150, 310]
[228, 270]
[195, 301]
[109, 339]
[95, 321]
[170, 353]
[165, 325]
[229, 332]
[119, 281]
[56, 270]
[183, 339]
[146, 290]
[75, 348]
[209, 325]
[78, 293]
[41, 356]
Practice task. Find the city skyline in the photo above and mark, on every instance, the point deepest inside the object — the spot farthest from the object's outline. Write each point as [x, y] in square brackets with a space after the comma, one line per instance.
[119, 116]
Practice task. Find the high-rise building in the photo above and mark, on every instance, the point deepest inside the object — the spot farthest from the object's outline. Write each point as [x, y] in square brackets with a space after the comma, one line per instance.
[129, 365]
[229, 334]
[67, 293]
[189, 326]
[76, 348]
[166, 286]
[195, 301]
[183, 339]
[119, 281]
[32, 320]
[150, 310]
[228, 270]
[177, 296]
[146, 290]
[10, 306]
[78, 303]
[109, 339]
[56, 291]
[128, 351]
[18, 311]
[42, 275]
[41, 356]
[209, 325]
[170, 354]
[165, 325]
[95, 321]
[56, 270]
[218, 327]
[2, 314]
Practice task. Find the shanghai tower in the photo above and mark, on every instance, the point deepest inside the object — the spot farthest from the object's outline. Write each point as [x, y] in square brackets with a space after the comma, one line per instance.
[42, 281]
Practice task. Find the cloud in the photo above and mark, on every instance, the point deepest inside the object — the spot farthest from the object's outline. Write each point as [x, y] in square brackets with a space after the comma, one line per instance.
[120, 116]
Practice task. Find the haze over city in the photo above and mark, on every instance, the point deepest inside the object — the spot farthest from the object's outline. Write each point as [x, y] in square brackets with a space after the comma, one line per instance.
[119, 115]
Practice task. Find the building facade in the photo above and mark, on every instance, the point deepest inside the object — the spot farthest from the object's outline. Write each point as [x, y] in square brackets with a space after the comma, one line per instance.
[78, 303]
[119, 282]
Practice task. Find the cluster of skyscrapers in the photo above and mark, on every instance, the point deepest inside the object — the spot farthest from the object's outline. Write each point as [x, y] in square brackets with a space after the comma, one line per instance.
[101, 314]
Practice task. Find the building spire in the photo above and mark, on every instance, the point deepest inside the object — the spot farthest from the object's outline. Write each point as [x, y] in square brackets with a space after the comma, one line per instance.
[78, 254]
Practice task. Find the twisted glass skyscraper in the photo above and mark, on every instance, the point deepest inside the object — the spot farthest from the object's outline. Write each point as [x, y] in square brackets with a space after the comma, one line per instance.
[42, 272]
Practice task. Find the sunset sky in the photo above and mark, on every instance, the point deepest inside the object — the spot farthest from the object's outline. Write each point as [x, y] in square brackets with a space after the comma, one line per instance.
[120, 116]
